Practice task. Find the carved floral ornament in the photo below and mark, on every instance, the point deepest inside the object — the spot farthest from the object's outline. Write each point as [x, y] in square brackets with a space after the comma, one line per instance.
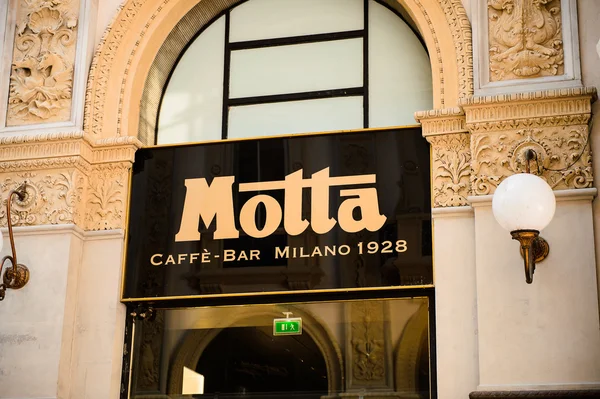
[41, 81]
[525, 39]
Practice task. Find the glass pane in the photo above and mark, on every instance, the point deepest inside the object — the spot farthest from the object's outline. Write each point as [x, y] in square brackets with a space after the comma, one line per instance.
[297, 68]
[191, 108]
[296, 117]
[400, 81]
[310, 350]
[266, 19]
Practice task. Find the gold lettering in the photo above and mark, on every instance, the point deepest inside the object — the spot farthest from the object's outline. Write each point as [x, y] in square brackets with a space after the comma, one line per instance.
[204, 202]
[181, 258]
[293, 222]
[279, 254]
[330, 251]
[254, 254]
[194, 257]
[316, 252]
[170, 260]
[367, 202]
[229, 255]
[248, 216]
[320, 221]
[156, 263]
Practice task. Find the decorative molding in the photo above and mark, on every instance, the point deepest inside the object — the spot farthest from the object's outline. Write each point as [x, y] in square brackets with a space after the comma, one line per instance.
[553, 123]
[580, 194]
[368, 351]
[131, 23]
[459, 23]
[446, 131]
[525, 45]
[442, 121]
[106, 200]
[41, 82]
[525, 39]
[564, 157]
[451, 169]
[52, 198]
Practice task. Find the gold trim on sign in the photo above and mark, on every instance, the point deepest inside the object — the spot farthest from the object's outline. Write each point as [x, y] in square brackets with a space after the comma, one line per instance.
[279, 136]
[277, 293]
[126, 235]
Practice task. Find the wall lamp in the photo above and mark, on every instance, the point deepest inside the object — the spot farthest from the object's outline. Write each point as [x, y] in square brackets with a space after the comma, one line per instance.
[16, 276]
[524, 204]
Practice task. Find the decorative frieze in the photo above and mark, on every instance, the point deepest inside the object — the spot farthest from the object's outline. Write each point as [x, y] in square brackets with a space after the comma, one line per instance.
[71, 179]
[53, 197]
[41, 81]
[525, 39]
[552, 123]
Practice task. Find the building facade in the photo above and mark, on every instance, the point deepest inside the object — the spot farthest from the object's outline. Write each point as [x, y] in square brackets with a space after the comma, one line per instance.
[87, 86]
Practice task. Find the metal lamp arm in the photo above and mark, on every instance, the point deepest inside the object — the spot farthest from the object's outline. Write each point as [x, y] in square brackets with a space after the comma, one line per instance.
[17, 276]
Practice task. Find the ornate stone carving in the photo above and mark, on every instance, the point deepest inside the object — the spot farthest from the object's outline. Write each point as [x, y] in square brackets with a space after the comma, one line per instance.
[525, 39]
[52, 198]
[451, 166]
[369, 356]
[107, 197]
[41, 81]
[445, 129]
[552, 122]
[563, 157]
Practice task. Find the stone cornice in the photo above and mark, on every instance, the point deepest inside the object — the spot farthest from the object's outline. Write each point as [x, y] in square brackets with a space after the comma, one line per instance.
[442, 121]
[46, 151]
[549, 108]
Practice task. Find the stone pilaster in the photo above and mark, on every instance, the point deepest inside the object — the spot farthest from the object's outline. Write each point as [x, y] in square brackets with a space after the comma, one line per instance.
[450, 155]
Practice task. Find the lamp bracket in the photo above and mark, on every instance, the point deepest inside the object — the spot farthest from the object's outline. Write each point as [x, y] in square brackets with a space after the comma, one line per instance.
[540, 248]
[16, 278]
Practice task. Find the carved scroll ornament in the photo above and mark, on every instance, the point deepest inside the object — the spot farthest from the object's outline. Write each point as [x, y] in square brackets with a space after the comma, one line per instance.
[525, 39]
[41, 81]
[563, 157]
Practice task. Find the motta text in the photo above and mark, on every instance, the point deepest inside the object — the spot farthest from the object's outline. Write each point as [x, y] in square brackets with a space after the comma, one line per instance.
[204, 202]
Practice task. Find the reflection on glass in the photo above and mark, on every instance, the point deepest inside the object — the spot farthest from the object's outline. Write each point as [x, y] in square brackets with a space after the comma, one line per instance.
[346, 347]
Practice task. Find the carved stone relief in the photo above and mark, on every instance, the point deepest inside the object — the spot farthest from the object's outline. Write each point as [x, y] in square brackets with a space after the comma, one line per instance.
[451, 166]
[525, 39]
[53, 197]
[553, 123]
[368, 352]
[41, 81]
[563, 157]
[106, 200]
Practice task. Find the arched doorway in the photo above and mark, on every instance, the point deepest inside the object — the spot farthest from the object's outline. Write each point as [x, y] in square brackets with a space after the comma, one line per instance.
[250, 361]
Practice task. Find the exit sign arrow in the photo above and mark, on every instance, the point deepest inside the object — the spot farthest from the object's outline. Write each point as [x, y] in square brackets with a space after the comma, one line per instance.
[291, 326]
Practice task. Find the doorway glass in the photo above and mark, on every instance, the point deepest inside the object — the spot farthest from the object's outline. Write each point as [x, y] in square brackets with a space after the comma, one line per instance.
[351, 349]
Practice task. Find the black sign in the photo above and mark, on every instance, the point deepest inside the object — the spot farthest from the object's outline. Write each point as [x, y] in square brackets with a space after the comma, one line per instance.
[307, 212]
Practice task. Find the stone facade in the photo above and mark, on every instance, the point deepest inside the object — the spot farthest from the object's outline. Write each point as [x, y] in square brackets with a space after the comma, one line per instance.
[527, 93]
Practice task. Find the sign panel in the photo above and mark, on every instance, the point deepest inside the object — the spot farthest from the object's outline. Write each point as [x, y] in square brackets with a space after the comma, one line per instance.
[292, 326]
[307, 212]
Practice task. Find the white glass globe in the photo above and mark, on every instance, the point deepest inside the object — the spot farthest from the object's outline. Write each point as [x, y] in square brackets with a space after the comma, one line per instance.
[524, 202]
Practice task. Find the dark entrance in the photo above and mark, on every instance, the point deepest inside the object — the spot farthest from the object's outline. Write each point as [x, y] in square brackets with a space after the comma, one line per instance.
[249, 362]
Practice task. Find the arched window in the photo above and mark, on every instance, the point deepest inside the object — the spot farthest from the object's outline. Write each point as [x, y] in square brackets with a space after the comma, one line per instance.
[268, 67]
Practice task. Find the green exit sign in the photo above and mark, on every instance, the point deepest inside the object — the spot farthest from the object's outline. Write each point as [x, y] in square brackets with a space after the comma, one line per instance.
[292, 326]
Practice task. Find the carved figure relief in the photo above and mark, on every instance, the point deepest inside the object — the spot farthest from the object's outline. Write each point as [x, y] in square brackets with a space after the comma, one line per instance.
[41, 81]
[525, 39]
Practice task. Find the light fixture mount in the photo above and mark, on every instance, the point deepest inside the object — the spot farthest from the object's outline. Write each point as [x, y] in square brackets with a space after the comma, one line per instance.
[534, 249]
[17, 276]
